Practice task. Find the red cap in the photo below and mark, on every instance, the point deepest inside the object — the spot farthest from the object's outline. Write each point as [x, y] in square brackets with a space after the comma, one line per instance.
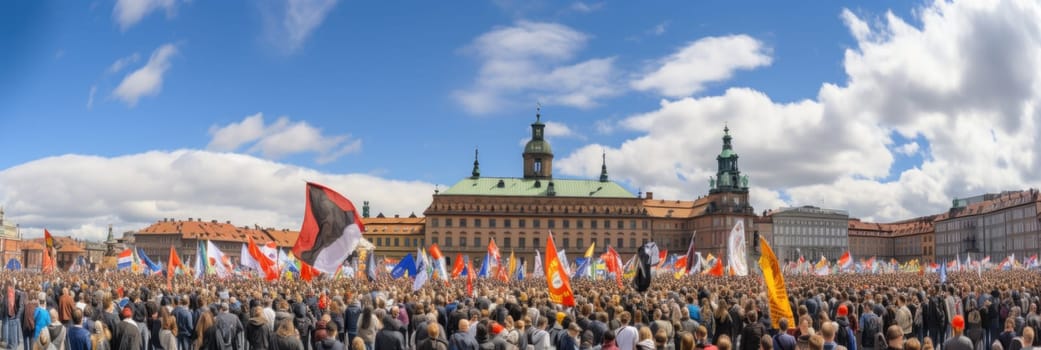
[496, 328]
[958, 322]
[127, 313]
[842, 311]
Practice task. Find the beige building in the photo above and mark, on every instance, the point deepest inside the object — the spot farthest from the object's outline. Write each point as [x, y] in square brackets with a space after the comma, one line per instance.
[10, 240]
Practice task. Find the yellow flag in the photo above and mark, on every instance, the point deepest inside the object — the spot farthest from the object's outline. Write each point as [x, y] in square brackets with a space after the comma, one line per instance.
[775, 288]
[513, 264]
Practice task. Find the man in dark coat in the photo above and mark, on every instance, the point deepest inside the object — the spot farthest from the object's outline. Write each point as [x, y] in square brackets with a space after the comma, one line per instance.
[390, 338]
[461, 339]
[79, 338]
[127, 336]
[228, 329]
[185, 325]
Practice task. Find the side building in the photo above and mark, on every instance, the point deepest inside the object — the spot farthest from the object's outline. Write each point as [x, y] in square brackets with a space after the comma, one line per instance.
[810, 232]
[997, 225]
[10, 241]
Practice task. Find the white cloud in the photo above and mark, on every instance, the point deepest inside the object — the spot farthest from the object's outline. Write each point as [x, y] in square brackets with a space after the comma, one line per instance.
[583, 7]
[147, 80]
[128, 12]
[281, 138]
[534, 61]
[907, 149]
[705, 60]
[90, 97]
[121, 63]
[557, 129]
[966, 81]
[660, 28]
[78, 194]
[293, 21]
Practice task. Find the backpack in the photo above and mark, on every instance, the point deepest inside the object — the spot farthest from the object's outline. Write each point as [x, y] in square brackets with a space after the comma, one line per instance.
[842, 335]
[917, 321]
[871, 326]
[939, 311]
[29, 316]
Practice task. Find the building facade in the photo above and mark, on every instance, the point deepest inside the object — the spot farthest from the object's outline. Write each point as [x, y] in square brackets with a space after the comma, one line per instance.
[867, 239]
[809, 232]
[10, 240]
[995, 225]
[519, 213]
[185, 235]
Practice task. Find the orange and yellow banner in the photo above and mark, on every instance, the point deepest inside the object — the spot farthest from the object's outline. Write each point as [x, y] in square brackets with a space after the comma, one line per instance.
[777, 293]
[558, 281]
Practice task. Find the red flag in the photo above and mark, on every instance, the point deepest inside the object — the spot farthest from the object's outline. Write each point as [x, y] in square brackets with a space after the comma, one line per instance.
[266, 265]
[48, 240]
[331, 230]
[48, 263]
[717, 270]
[307, 272]
[662, 256]
[612, 261]
[458, 266]
[680, 264]
[435, 252]
[558, 281]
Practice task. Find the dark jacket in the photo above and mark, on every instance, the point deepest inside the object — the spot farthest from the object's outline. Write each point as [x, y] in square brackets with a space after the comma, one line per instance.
[389, 338]
[328, 344]
[228, 327]
[185, 322]
[751, 335]
[79, 339]
[432, 344]
[126, 337]
[288, 343]
[351, 318]
[462, 341]
[258, 334]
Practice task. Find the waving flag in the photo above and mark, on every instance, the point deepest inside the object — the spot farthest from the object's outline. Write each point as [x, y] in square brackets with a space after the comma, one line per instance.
[556, 278]
[125, 260]
[174, 264]
[406, 265]
[370, 265]
[424, 271]
[331, 230]
[519, 274]
[538, 271]
[459, 266]
[822, 268]
[776, 291]
[469, 277]
[439, 261]
[691, 260]
[152, 267]
[646, 255]
[716, 270]
[200, 259]
[845, 261]
[943, 273]
[216, 262]
[736, 250]
[483, 273]
[268, 267]
[492, 259]
[613, 264]
[512, 264]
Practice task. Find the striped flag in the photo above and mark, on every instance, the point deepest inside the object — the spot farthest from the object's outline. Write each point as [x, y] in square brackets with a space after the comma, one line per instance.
[125, 259]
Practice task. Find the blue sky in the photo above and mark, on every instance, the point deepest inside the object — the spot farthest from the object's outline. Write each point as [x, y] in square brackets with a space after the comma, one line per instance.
[400, 94]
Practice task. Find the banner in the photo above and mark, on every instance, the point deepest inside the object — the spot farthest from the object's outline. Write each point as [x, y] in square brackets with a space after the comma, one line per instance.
[775, 288]
[736, 251]
[556, 278]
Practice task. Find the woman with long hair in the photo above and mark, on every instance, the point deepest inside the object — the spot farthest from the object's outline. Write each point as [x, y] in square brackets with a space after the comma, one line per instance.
[168, 333]
[286, 336]
[368, 325]
[205, 332]
[100, 336]
[257, 332]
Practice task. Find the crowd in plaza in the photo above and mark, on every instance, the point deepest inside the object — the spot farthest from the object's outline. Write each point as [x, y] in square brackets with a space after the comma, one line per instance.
[122, 311]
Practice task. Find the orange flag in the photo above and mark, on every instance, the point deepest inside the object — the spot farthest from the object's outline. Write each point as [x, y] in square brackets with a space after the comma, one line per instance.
[716, 270]
[458, 266]
[307, 273]
[558, 281]
[266, 265]
[48, 263]
[776, 291]
[48, 240]
[469, 278]
[172, 265]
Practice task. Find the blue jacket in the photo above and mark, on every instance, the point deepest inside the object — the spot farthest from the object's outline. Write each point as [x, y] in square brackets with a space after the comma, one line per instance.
[42, 318]
[79, 338]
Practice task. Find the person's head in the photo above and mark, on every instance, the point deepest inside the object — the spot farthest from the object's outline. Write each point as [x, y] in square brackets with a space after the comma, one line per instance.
[996, 345]
[816, 342]
[700, 334]
[433, 330]
[359, 343]
[828, 330]
[1010, 324]
[645, 333]
[77, 316]
[895, 336]
[625, 317]
[1028, 335]
[661, 338]
[912, 344]
[723, 343]
[44, 339]
[608, 337]
[783, 324]
[766, 343]
[464, 325]
[958, 324]
[805, 322]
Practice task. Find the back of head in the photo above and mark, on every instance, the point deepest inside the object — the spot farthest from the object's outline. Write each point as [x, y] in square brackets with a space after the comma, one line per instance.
[894, 332]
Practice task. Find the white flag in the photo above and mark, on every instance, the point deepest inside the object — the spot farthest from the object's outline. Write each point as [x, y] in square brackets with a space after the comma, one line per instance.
[736, 252]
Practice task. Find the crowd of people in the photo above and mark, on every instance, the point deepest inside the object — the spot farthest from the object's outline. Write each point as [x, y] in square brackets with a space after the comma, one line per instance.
[120, 311]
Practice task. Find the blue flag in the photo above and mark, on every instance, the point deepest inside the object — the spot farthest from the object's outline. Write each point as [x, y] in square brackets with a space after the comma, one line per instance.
[407, 264]
[152, 267]
[583, 267]
[943, 272]
[484, 268]
[520, 273]
[370, 265]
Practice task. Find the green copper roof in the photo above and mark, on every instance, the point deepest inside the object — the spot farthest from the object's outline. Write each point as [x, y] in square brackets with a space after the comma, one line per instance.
[727, 153]
[489, 186]
[538, 146]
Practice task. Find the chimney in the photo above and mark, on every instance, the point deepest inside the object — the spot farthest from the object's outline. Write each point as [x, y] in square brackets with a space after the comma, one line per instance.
[650, 195]
[189, 219]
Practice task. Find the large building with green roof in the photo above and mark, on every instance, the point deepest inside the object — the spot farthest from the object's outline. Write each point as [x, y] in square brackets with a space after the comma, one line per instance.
[518, 213]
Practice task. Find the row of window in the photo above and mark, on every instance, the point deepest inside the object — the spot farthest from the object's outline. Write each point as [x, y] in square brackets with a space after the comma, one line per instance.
[398, 241]
[810, 241]
[537, 223]
[507, 242]
[813, 231]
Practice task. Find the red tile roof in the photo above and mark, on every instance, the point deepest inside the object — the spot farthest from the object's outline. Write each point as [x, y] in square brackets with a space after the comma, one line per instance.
[675, 208]
[221, 231]
[32, 245]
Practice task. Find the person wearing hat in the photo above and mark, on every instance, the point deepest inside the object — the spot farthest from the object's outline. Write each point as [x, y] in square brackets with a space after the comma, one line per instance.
[844, 334]
[127, 335]
[958, 340]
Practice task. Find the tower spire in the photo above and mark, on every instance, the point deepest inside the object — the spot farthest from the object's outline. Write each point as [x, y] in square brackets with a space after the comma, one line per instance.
[476, 173]
[603, 166]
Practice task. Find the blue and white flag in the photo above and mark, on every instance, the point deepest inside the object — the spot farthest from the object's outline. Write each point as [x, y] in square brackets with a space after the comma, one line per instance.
[407, 264]
[943, 272]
